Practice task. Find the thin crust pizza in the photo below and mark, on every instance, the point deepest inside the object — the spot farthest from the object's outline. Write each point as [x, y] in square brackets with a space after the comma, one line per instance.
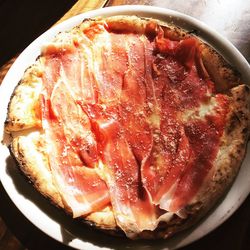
[134, 125]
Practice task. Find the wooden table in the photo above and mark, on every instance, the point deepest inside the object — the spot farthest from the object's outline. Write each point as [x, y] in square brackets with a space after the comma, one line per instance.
[22, 21]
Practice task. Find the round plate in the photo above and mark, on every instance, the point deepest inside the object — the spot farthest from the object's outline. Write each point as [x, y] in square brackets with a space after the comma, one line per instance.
[62, 228]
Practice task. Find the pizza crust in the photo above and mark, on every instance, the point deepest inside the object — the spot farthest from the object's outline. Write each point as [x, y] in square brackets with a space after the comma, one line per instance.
[222, 73]
[29, 148]
[23, 109]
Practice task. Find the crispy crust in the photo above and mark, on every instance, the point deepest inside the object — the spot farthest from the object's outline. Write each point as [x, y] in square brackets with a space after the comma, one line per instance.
[29, 144]
[24, 105]
[219, 70]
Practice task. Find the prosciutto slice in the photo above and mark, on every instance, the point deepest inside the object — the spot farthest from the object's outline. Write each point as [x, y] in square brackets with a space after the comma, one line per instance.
[133, 107]
[121, 130]
[170, 150]
[174, 173]
[204, 138]
[73, 146]
[109, 62]
[119, 168]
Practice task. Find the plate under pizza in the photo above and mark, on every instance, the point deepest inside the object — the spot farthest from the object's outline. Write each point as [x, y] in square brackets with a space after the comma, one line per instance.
[75, 234]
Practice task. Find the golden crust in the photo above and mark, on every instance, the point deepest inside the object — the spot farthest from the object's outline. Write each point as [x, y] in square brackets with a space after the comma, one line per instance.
[24, 105]
[30, 151]
[224, 76]
[29, 145]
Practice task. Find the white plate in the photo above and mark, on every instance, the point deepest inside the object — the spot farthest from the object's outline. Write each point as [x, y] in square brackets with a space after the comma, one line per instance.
[56, 224]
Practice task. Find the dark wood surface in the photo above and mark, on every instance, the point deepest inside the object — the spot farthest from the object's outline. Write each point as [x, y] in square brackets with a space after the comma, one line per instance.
[21, 22]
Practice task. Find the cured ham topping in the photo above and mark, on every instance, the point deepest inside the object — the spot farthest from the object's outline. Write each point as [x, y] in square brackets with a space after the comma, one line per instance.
[81, 187]
[115, 111]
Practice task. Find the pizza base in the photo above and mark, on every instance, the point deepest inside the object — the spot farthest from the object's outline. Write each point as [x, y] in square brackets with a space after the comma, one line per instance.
[28, 145]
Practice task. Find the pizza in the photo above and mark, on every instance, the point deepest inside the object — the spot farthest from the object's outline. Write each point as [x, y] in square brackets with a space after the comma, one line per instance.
[133, 125]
